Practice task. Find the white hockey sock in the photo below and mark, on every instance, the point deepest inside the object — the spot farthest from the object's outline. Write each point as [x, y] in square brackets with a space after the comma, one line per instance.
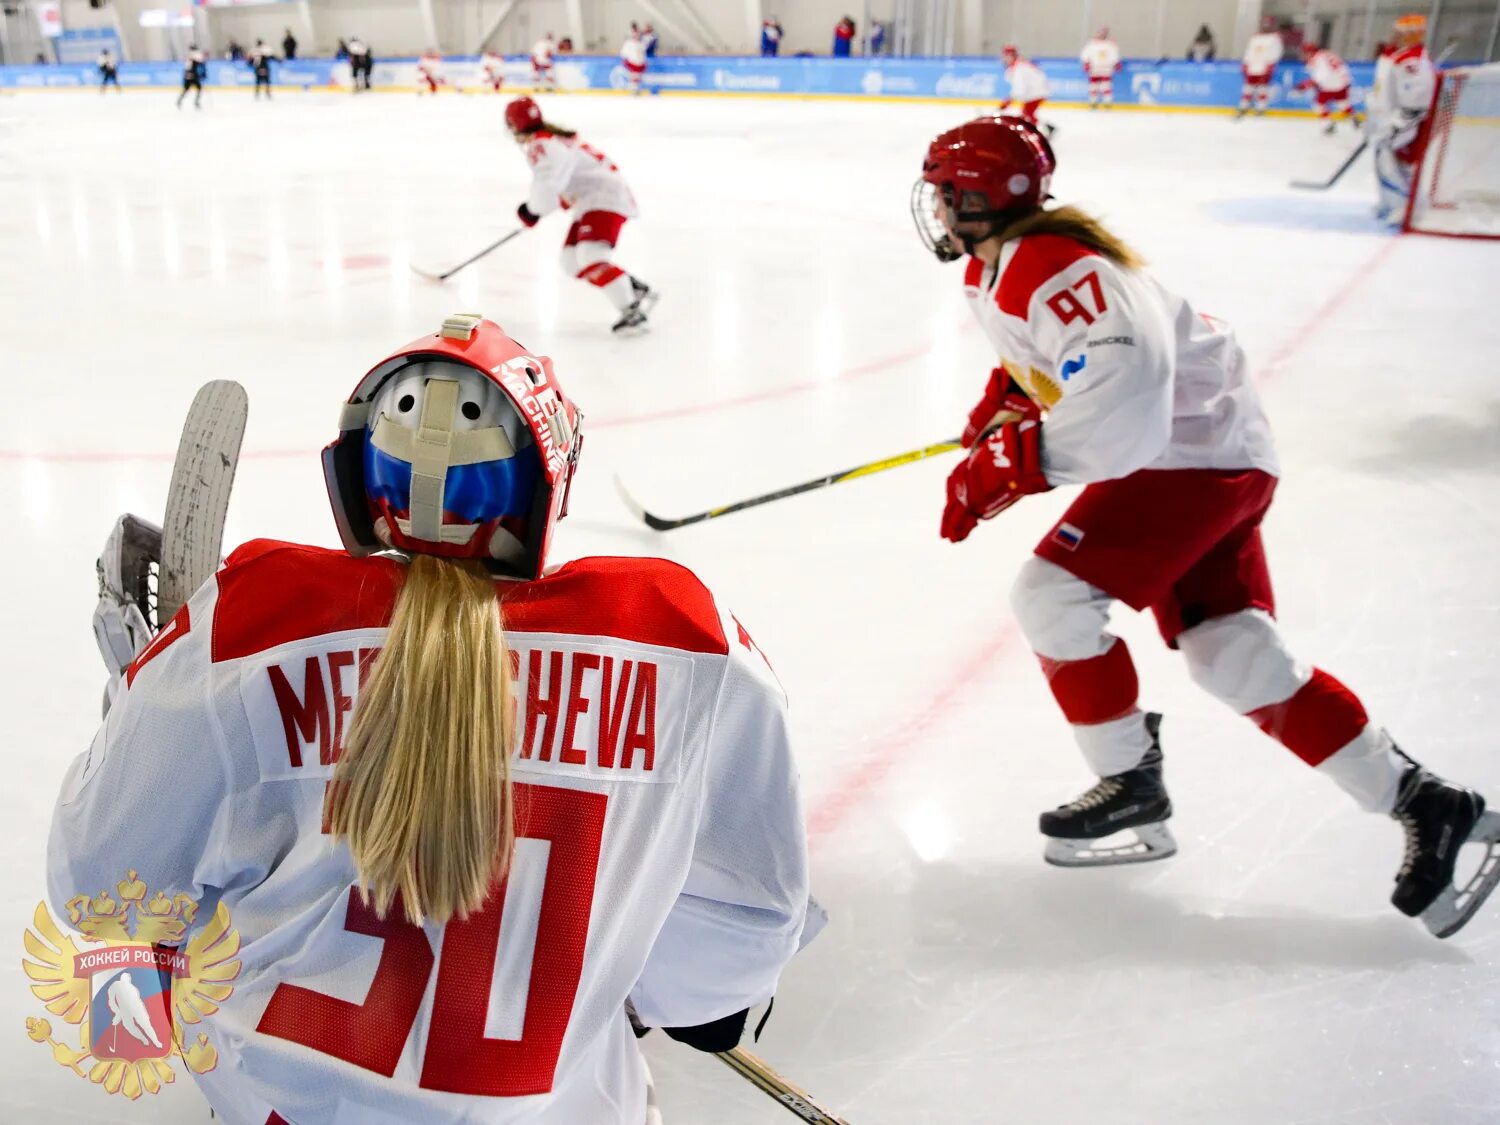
[620, 292]
[1369, 770]
[1115, 746]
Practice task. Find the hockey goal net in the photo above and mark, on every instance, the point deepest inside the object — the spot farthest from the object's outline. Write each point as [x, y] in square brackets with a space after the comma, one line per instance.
[1457, 187]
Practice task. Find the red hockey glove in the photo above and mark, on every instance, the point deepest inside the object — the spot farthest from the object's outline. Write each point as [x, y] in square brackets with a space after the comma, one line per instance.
[1002, 394]
[527, 216]
[1001, 469]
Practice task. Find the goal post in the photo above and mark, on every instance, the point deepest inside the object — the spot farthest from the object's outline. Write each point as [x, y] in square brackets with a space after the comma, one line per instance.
[1456, 190]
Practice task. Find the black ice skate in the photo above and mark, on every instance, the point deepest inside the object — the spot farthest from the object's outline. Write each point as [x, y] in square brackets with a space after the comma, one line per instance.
[1440, 818]
[631, 320]
[1135, 800]
[645, 296]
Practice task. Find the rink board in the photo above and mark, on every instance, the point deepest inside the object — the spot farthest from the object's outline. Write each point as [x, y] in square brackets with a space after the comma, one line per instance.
[1140, 83]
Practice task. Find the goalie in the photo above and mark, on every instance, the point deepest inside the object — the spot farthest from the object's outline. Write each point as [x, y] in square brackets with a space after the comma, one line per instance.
[1397, 124]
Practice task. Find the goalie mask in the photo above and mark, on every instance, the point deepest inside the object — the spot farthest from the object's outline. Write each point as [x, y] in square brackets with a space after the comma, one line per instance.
[985, 174]
[460, 445]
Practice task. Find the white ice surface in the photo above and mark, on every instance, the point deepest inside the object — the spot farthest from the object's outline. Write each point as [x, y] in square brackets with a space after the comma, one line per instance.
[1258, 978]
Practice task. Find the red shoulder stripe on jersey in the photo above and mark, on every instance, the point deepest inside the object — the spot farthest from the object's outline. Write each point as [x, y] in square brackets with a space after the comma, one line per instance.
[273, 594]
[650, 601]
[973, 273]
[1037, 260]
[1406, 54]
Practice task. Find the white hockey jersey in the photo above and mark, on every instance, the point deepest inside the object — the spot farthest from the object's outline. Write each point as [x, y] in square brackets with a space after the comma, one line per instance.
[1129, 375]
[564, 169]
[1328, 72]
[541, 54]
[1100, 58]
[1027, 82]
[1262, 53]
[1402, 95]
[633, 52]
[660, 857]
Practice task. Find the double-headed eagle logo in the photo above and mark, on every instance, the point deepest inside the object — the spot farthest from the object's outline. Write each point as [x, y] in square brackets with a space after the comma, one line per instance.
[132, 986]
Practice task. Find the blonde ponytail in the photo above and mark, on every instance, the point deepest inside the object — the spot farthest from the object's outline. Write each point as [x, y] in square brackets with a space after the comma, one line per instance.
[422, 791]
[1081, 227]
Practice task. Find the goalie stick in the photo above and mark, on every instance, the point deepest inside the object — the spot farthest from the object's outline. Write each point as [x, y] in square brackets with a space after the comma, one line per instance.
[1324, 185]
[662, 523]
[468, 261]
[192, 529]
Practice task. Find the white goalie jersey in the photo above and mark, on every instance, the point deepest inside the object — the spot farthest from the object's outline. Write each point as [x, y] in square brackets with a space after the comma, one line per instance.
[660, 852]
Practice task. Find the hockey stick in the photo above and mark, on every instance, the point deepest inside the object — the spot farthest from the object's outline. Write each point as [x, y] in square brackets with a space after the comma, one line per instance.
[468, 261]
[198, 499]
[793, 1097]
[1324, 185]
[661, 523]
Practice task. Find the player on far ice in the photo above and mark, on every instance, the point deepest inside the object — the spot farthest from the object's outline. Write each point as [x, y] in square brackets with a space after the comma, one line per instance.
[369, 752]
[1113, 382]
[1397, 110]
[542, 77]
[194, 67]
[493, 64]
[430, 71]
[1028, 86]
[633, 57]
[1329, 75]
[567, 173]
[109, 71]
[1262, 53]
[260, 59]
[1101, 59]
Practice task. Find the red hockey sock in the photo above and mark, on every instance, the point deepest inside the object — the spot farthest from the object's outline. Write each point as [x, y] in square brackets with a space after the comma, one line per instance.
[600, 273]
[1095, 690]
[1322, 718]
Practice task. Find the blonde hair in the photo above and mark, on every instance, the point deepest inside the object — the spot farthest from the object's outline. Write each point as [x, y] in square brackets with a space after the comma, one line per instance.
[1070, 222]
[422, 791]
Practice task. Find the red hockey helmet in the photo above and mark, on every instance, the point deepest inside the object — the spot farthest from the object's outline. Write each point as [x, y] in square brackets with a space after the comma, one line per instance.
[460, 444]
[1309, 48]
[986, 172]
[523, 115]
[1009, 53]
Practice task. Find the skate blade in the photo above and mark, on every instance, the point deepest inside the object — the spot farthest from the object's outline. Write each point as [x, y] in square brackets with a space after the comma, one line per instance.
[1453, 908]
[1152, 842]
[649, 299]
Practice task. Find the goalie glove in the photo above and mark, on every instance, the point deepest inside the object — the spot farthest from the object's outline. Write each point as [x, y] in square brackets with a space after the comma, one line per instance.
[123, 622]
[1004, 400]
[1004, 465]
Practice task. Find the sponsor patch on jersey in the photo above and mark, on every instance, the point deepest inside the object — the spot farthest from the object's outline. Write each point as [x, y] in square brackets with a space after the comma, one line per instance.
[1106, 341]
[1072, 367]
[1067, 536]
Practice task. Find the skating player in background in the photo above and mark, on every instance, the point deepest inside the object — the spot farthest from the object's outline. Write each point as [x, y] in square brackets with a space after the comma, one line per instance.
[430, 71]
[568, 173]
[365, 750]
[1028, 85]
[260, 60]
[494, 69]
[649, 40]
[1262, 54]
[1111, 381]
[360, 64]
[541, 63]
[633, 56]
[109, 73]
[1101, 59]
[1328, 74]
[1397, 108]
[194, 67]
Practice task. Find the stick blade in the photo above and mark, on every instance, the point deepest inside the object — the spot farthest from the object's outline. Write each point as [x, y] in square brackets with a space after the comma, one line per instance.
[438, 278]
[198, 499]
[654, 522]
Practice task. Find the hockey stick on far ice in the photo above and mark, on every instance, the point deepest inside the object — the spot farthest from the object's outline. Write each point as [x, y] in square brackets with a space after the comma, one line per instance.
[661, 523]
[468, 261]
[192, 530]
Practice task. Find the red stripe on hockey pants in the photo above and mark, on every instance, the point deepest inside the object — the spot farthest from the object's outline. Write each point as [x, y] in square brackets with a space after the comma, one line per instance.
[1321, 719]
[1097, 690]
[600, 273]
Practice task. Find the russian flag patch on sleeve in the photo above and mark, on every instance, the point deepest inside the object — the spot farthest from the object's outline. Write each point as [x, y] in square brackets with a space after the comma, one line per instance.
[1067, 536]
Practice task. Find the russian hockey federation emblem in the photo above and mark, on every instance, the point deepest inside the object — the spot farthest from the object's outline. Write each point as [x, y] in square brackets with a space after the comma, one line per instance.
[128, 982]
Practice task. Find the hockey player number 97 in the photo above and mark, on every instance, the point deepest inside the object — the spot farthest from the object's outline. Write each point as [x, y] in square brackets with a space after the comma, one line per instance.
[459, 1057]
